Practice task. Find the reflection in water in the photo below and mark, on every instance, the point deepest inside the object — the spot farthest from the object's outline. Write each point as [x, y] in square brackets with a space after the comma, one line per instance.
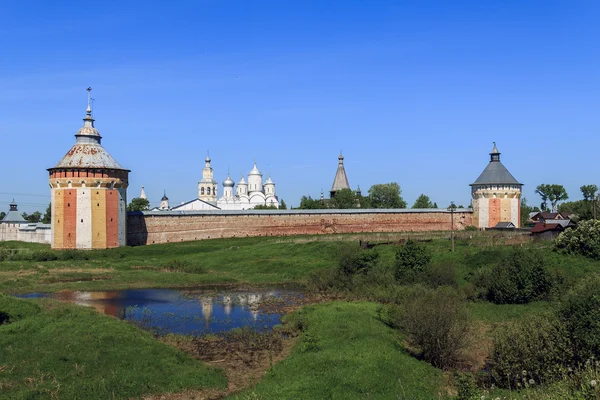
[185, 311]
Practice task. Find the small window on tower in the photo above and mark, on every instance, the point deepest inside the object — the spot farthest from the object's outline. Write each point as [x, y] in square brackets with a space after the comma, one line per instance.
[201, 190]
[207, 190]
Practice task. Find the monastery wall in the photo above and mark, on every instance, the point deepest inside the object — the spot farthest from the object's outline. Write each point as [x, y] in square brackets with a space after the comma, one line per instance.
[32, 233]
[152, 227]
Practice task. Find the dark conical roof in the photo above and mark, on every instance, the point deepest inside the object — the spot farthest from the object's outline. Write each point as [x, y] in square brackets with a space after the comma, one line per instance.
[13, 216]
[496, 173]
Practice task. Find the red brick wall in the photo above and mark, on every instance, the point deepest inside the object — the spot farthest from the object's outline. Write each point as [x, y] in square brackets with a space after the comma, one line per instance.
[170, 227]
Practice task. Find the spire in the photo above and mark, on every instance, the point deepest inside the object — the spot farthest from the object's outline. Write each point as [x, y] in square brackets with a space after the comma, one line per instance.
[495, 154]
[13, 205]
[341, 180]
[88, 133]
[164, 198]
[143, 194]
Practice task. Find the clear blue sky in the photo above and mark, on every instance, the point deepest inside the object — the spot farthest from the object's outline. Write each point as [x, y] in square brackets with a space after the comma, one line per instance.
[411, 91]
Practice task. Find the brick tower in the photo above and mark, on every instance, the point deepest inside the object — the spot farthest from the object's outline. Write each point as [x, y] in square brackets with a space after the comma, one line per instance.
[89, 194]
[496, 195]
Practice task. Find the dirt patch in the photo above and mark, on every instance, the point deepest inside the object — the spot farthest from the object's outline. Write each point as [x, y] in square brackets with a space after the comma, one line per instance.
[245, 356]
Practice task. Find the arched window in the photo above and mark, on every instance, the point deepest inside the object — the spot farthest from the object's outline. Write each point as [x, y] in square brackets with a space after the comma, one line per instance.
[201, 190]
[208, 190]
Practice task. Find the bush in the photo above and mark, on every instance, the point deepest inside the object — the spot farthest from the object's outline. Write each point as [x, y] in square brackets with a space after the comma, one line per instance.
[536, 347]
[519, 278]
[437, 324]
[437, 275]
[580, 313]
[354, 260]
[584, 240]
[411, 260]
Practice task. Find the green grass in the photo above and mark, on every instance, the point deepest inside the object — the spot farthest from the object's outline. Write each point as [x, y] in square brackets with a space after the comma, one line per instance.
[347, 353]
[52, 350]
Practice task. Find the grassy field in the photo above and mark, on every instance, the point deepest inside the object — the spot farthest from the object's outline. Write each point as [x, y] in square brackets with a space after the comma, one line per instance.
[347, 353]
[57, 351]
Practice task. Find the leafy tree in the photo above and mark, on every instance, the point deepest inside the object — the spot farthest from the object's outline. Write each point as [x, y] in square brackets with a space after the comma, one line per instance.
[435, 205]
[423, 201]
[364, 201]
[308, 203]
[552, 192]
[138, 204]
[2, 215]
[47, 218]
[525, 211]
[344, 198]
[386, 195]
[589, 192]
[34, 217]
[282, 205]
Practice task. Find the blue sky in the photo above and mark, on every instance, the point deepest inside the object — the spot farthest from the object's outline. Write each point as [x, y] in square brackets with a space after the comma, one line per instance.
[413, 92]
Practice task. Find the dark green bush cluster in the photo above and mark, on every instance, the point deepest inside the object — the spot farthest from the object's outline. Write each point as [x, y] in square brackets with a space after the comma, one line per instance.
[357, 261]
[580, 313]
[585, 240]
[436, 322]
[548, 347]
[42, 255]
[517, 278]
[536, 348]
[411, 262]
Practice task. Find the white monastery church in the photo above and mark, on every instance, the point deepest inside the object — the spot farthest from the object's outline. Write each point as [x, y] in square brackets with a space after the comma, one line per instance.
[246, 196]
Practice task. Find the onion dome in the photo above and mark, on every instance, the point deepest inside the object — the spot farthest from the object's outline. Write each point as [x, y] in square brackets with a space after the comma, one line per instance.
[254, 171]
[242, 181]
[496, 173]
[228, 182]
[269, 181]
[164, 198]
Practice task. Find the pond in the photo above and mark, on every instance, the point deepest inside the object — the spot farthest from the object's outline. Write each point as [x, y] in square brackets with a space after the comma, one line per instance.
[188, 311]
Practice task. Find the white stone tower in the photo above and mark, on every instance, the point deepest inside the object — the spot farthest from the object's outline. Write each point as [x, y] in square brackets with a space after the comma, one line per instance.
[207, 187]
[164, 202]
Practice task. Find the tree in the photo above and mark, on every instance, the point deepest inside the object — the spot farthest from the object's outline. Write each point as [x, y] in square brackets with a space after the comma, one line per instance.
[525, 211]
[34, 217]
[282, 205]
[423, 202]
[47, 218]
[2, 215]
[589, 192]
[552, 192]
[435, 205]
[308, 203]
[344, 198]
[386, 195]
[138, 204]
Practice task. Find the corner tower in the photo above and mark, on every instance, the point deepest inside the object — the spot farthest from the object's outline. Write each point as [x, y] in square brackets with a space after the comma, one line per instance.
[496, 195]
[89, 194]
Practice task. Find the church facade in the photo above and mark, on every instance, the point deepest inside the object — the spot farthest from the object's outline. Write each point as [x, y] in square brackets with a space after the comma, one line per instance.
[245, 196]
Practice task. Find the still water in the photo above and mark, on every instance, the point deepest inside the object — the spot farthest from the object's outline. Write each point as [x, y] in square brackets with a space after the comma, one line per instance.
[188, 311]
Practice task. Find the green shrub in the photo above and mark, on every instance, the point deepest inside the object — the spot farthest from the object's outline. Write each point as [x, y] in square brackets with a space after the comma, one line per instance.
[411, 260]
[520, 277]
[439, 274]
[45, 255]
[534, 348]
[584, 240]
[354, 260]
[580, 313]
[437, 324]
[466, 386]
